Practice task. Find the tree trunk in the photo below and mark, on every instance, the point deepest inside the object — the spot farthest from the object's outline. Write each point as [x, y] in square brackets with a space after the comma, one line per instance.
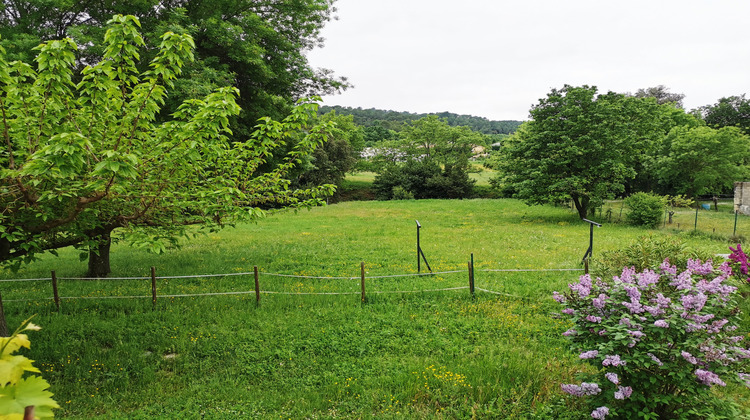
[99, 257]
[3, 324]
[582, 205]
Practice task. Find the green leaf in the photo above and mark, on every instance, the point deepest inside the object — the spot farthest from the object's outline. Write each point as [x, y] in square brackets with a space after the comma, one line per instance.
[31, 391]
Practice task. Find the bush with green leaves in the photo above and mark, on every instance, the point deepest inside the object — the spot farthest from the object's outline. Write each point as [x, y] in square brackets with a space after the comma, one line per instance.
[647, 252]
[645, 209]
[423, 179]
[658, 340]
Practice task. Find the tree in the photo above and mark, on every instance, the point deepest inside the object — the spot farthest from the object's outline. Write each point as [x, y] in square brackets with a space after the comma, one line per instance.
[81, 160]
[662, 95]
[733, 111]
[430, 161]
[258, 46]
[578, 146]
[703, 160]
[330, 163]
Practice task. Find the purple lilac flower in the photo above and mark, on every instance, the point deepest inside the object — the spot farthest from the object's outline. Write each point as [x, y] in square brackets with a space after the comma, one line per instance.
[633, 293]
[702, 269]
[628, 273]
[599, 302]
[612, 377]
[744, 377]
[708, 377]
[662, 301]
[655, 359]
[726, 268]
[570, 332]
[583, 287]
[654, 310]
[716, 326]
[694, 301]
[600, 413]
[647, 278]
[626, 321]
[661, 323]
[634, 308]
[613, 360]
[623, 392]
[568, 311]
[636, 334]
[602, 332]
[560, 298]
[689, 357]
[692, 327]
[589, 354]
[586, 388]
[595, 319]
[668, 268]
[684, 281]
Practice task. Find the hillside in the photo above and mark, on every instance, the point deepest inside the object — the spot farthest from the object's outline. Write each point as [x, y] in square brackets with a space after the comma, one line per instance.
[393, 120]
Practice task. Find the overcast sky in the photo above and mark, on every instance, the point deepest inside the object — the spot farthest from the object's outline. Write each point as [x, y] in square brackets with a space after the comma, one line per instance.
[495, 58]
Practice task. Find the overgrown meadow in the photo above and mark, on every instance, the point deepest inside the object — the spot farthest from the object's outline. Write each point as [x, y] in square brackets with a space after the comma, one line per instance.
[418, 347]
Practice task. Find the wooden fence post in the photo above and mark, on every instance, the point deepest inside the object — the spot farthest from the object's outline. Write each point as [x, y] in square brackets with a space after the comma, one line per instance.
[257, 285]
[153, 288]
[362, 272]
[54, 290]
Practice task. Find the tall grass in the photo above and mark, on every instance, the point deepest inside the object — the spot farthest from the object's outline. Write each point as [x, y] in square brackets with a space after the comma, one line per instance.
[399, 355]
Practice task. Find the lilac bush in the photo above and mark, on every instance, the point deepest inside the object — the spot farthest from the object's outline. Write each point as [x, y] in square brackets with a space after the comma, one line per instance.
[659, 339]
[739, 261]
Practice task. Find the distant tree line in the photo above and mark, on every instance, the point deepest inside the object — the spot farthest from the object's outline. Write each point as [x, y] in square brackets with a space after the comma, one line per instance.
[396, 121]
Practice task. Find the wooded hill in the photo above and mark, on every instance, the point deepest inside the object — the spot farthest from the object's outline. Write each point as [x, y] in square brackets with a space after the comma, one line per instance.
[394, 120]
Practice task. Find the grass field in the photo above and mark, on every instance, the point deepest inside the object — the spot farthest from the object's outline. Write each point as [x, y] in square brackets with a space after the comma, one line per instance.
[399, 355]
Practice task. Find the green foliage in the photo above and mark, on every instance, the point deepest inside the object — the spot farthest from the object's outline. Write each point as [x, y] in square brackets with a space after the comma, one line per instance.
[258, 47]
[81, 160]
[16, 391]
[732, 111]
[645, 209]
[703, 160]
[396, 121]
[579, 146]
[400, 193]
[647, 252]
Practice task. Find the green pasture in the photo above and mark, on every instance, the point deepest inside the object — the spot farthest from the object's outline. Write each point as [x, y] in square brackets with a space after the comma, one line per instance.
[411, 350]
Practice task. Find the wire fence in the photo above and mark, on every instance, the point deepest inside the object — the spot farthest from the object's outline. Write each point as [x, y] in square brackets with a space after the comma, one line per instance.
[365, 285]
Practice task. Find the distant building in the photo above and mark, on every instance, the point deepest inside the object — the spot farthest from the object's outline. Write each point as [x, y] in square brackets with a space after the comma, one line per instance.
[742, 197]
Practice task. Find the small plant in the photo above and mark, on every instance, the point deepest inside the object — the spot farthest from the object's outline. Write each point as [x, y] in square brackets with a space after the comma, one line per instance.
[645, 209]
[400, 193]
[16, 392]
[659, 339]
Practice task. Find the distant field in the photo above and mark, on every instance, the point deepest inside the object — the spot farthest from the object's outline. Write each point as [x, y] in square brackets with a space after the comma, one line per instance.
[482, 176]
[400, 355]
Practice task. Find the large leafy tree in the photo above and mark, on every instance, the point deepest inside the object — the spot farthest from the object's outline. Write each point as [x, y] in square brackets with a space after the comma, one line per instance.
[258, 46]
[81, 160]
[579, 146]
[733, 111]
[703, 160]
[430, 160]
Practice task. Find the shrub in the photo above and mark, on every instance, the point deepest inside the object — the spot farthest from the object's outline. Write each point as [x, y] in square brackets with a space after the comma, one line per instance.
[659, 340]
[647, 252]
[645, 209]
[399, 193]
[423, 179]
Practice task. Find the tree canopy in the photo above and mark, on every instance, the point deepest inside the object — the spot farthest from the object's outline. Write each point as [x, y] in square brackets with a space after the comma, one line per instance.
[733, 111]
[579, 146]
[257, 46]
[703, 160]
[80, 160]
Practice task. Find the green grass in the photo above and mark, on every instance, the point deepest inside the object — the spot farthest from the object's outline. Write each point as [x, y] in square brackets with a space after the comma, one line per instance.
[399, 355]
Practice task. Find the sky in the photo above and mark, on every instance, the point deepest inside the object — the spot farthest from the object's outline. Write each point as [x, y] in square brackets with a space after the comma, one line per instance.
[497, 58]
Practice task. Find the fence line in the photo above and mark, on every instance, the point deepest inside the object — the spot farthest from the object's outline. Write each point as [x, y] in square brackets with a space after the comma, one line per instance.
[256, 273]
[249, 273]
